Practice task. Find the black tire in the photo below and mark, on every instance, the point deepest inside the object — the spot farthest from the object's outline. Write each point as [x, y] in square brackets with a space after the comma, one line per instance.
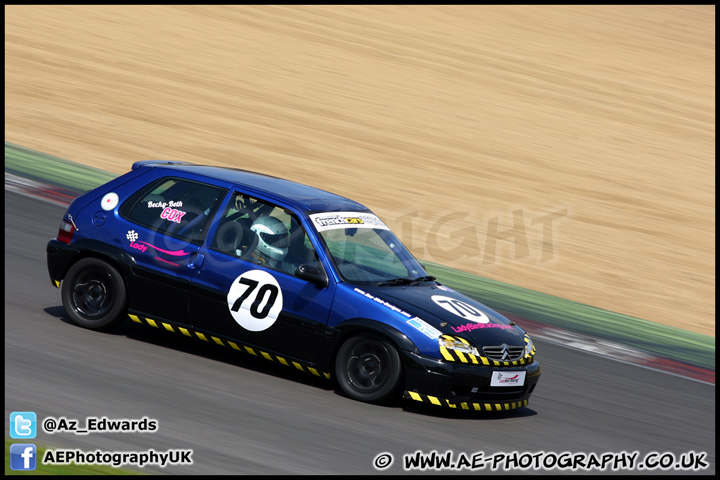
[94, 294]
[368, 368]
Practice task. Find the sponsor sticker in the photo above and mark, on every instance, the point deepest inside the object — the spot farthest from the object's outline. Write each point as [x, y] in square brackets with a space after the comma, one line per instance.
[507, 379]
[170, 204]
[333, 220]
[172, 214]
[133, 236]
[475, 326]
[424, 327]
[109, 201]
[460, 308]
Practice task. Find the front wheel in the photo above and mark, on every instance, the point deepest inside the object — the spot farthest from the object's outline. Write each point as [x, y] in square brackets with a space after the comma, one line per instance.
[368, 368]
[94, 295]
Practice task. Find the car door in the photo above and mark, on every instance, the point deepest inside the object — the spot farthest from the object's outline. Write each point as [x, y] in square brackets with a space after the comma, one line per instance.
[163, 226]
[238, 293]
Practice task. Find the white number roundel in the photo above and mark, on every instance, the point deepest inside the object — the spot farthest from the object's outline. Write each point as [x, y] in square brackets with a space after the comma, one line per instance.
[255, 300]
[460, 308]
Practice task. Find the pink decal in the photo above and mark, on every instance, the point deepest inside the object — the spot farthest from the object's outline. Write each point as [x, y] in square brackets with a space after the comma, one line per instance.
[168, 261]
[136, 245]
[474, 326]
[172, 214]
[175, 253]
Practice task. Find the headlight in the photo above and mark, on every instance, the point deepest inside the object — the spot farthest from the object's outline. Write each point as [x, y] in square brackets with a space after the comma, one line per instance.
[457, 345]
[529, 347]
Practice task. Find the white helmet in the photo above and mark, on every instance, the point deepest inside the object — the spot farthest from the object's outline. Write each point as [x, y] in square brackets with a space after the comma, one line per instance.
[273, 237]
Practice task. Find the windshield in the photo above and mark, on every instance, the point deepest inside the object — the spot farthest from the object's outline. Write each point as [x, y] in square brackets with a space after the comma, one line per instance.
[364, 251]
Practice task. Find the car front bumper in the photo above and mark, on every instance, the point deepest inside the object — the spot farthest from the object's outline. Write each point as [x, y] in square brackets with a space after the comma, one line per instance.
[457, 385]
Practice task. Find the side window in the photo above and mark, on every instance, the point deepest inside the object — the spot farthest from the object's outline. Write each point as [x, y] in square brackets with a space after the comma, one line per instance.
[263, 233]
[175, 206]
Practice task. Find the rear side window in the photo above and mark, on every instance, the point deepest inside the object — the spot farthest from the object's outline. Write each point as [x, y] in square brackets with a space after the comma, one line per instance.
[175, 206]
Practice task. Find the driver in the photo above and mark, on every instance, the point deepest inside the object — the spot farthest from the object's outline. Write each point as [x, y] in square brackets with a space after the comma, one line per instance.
[273, 243]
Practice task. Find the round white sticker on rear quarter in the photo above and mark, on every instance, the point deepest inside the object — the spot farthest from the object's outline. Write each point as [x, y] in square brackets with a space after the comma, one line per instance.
[109, 201]
[255, 300]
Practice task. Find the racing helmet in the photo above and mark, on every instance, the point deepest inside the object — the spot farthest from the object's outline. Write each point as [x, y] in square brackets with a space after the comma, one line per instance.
[273, 237]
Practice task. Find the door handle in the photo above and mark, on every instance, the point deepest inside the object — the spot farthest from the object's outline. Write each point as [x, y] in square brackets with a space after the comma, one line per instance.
[197, 261]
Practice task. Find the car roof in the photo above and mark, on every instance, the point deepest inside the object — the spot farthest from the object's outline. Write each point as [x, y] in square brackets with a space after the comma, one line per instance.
[303, 197]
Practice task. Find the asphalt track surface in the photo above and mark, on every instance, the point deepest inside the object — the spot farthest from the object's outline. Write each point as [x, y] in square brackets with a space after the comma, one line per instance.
[242, 415]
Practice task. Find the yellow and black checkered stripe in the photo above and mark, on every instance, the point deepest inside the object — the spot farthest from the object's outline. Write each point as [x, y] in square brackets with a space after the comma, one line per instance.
[482, 407]
[190, 332]
[452, 355]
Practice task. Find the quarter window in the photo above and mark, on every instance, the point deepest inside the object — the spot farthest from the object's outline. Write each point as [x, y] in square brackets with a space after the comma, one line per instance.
[175, 206]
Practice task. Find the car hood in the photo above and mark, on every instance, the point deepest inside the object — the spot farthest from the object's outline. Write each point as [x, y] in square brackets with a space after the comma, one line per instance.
[453, 313]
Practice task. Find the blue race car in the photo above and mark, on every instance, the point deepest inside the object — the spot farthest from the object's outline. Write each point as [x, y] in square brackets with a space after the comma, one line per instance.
[287, 272]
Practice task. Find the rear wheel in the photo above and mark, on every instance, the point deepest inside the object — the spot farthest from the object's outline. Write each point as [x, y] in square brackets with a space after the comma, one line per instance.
[94, 295]
[368, 368]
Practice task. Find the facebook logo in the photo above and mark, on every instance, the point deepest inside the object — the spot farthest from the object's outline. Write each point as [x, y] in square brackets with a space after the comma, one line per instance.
[23, 425]
[23, 456]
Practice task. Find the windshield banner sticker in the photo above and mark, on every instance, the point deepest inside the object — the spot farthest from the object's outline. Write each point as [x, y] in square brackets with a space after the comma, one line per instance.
[333, 220]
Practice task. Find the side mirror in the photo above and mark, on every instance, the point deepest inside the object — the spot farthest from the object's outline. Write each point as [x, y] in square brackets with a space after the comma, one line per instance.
[312, 274]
